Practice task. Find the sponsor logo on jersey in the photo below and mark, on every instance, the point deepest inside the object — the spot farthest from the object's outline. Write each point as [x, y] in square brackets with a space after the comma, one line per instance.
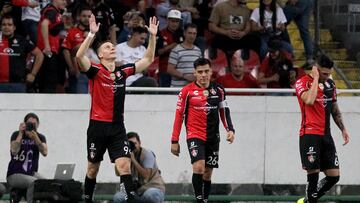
[194, 152]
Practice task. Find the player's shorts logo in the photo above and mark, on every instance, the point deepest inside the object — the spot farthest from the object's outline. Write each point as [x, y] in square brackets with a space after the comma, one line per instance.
[194, 152]
[311, 158]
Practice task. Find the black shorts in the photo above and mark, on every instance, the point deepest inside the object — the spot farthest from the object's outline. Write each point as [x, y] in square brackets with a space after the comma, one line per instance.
[204, 150]
[318, 152]
[106, 135]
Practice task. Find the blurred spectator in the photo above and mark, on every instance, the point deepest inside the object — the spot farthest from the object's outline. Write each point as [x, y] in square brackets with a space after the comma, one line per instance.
[78, 83]
[230, 21]
[131, 20]
[276, 71]
[5, 7]
[169, 38]
[13, 72]
[182, 57]
[25, 146]
[145, 172]
[30, 17]
[49, 42]
[238, 78]
[299, 11]
[132, 51]
[269, 22]
[163, 8]
[105, 16]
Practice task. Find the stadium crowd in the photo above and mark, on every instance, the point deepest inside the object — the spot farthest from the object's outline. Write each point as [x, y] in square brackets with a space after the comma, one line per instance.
[39, 40]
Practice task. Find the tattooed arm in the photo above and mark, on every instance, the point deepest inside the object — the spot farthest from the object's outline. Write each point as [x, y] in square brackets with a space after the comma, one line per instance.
[336, 114]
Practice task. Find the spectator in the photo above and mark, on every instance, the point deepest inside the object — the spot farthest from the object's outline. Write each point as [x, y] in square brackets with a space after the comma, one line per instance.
[5, 7]
[230, 22]
[13, 72]
[276, 71]
[132, 51]
[299, 11]
[169, 38]
[146, 174]
[49, 42]
[238, 78]
[182, 57]
[25, 146]
[269, 22]
[78, 83]
[30, 17]
[131, 20]
[163, 9]
[105, 16]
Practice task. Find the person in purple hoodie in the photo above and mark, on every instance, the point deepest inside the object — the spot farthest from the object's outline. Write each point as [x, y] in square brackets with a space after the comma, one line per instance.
[25, 146]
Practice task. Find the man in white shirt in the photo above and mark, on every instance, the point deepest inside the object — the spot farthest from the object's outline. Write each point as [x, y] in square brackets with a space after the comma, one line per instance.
[132, 51]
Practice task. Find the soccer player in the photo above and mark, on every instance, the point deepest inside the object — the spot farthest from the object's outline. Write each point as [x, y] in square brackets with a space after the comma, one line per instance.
[106, 129]
[201, 102]
[316, 94]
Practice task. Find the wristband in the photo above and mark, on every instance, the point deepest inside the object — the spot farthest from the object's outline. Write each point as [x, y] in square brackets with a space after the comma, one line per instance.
[91, 35]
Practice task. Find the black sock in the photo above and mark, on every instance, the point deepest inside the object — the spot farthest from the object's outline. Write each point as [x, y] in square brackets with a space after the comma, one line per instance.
[197, 181]
[326, 184]
[311, 188]
[207, 188]
[127, 184]
[89, 187]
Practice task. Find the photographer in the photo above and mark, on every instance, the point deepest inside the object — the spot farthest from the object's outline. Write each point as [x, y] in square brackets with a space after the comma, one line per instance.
[26, 143]
[146, 175]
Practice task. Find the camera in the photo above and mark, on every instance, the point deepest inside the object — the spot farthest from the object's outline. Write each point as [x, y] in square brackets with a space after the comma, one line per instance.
[131, 145]
[29, 126]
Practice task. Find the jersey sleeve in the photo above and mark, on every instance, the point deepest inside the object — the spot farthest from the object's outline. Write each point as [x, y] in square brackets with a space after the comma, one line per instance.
[93, 70]
[225, 111]
[181, 106]
[129, 69]
[14, 136]
[301, 87]
[50, 14]
[149, 159]
[22, 3]
[42, 138]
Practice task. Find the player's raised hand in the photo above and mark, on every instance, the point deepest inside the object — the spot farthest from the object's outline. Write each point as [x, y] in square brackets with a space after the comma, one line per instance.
[92, 24]
[175, 149]
[153, 25]
[230, 136]
[315, 72]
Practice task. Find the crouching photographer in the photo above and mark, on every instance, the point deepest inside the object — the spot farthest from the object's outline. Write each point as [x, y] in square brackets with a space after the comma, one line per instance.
[25, 146]
[146, 174]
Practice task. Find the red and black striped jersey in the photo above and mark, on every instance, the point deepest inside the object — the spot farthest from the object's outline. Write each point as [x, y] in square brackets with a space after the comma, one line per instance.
[200, 108]
[107, 90]
[316, 117]
[13, 53]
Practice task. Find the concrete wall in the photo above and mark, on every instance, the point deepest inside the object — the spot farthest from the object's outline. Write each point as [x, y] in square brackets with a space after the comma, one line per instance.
[265, 149]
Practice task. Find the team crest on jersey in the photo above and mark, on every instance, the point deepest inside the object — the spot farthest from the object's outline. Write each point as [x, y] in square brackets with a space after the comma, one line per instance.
[15, 41]
[112, 76]
[118, 74]
[206, 93]
[327, 84]
[212, 91]
[321, 86]
[194, 152]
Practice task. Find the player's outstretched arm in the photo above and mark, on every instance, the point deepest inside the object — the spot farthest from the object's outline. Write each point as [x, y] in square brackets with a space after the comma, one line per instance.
[149, 55]
[336, 114]
[309, 96]
[81, 58]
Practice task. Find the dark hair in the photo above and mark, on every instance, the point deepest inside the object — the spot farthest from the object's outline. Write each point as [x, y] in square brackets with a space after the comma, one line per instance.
[139, 30]
[31, 115]
[273, 8]
[190, 25]
[132, 135]
[7, 16]
[324, 61]
[201, 62]
[84, 7]
[98, 45]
